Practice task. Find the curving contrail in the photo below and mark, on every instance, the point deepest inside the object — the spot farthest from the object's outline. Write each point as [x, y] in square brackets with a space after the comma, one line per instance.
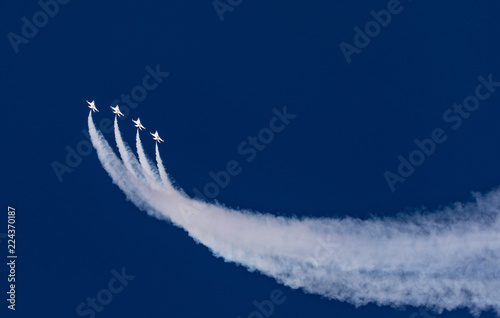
[128, 157]
[163, 174]
[147, 167]
[443, 260]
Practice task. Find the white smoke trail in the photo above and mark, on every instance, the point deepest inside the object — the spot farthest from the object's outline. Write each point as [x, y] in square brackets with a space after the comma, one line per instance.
[147, 167]
[128, 157]
[163, 174]
[136, 190]
[445, 260]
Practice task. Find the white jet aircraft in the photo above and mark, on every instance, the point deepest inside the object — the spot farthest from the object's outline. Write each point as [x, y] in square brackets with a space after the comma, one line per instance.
[138, 124]
[116, 110]
[92, 106]
[156, 137]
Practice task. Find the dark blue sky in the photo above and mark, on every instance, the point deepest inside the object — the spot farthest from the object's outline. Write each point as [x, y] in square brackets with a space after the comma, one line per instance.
[352, 122]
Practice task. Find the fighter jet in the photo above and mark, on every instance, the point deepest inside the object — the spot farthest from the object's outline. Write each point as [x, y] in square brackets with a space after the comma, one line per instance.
[138, 124]
[116, 111]
[92, 106]
[156, 137]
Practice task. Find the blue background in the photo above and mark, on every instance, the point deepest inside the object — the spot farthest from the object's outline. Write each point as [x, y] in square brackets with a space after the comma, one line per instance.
[353, 120]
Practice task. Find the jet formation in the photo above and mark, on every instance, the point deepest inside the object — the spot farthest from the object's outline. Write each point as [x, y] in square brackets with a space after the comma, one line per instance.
[137, 123]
